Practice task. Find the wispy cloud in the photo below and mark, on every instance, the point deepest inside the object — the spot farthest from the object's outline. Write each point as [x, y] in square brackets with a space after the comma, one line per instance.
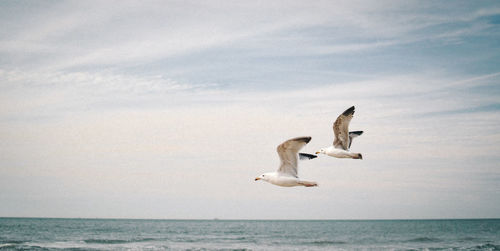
[137, 34]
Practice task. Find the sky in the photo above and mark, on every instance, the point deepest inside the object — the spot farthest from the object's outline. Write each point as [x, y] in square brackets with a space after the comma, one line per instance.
[170, 109]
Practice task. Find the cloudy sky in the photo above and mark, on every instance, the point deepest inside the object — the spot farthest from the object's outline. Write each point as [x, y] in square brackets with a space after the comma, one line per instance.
[170, 109]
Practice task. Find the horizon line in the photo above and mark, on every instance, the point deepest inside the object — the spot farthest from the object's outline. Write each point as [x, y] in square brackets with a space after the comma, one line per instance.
[235, 219]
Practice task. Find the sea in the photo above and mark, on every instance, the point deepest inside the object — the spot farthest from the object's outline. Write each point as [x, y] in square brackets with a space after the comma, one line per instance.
[134, 234]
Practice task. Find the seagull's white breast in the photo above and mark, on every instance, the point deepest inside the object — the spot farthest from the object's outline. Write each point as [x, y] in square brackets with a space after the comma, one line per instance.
[283, 180]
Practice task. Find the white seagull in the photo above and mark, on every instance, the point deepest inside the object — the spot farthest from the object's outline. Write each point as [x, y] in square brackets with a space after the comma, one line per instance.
[287, 175]
[343, 138]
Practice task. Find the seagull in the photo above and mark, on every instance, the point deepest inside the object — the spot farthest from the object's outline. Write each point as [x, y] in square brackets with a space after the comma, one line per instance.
[343, 138]
[287, 175]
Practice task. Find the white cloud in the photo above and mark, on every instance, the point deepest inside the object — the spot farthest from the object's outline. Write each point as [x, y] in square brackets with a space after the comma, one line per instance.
[75, 34]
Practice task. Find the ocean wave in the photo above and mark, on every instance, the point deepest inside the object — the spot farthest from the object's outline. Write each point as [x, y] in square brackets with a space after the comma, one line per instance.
[423, 239]
[487, 246]
[11, 242]
[6, 245]
[324, 243]
[79, 249]
[24, 247]
[468, 239]
[68, 245]
[116, 241]
[239, 239]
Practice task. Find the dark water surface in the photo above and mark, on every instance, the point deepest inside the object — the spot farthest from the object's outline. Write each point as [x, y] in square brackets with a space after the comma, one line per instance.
[124, 234]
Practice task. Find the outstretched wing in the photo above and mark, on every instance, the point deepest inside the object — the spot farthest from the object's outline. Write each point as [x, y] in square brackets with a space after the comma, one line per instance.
[341, 129]
[288, 154]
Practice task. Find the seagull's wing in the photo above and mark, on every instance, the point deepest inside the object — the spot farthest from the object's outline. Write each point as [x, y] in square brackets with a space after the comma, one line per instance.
[341, 129]
[353, 135]
[288, 154]
[306, 156]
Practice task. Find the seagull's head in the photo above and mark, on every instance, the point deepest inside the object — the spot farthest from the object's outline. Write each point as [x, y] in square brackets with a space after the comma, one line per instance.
[264, 176]
[322, 150]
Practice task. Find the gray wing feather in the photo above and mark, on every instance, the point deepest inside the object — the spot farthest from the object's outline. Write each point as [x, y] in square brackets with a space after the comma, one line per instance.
[288, 152]
[341, 129]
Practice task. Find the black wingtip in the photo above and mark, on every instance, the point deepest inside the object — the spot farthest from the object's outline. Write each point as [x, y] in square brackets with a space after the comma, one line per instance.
[356, 132]
[303, 139]
[307, 156]
[348, 111]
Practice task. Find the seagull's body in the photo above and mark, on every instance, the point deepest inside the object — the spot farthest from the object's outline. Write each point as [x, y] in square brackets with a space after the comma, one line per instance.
[340, 153]
[287, 174]
[342, 137]
[284, 180]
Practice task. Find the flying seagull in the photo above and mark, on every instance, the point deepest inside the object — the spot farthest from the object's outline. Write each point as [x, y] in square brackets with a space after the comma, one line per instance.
[287, 174]
[343, 138]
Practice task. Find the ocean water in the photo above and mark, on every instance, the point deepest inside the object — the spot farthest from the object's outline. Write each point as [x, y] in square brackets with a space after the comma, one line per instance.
[124, 234]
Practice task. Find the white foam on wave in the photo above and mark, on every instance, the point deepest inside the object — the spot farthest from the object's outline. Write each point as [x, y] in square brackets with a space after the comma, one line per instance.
[58, 244]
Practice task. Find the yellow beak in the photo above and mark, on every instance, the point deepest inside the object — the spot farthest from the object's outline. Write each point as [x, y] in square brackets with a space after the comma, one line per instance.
[256, 179]
[317, 152]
